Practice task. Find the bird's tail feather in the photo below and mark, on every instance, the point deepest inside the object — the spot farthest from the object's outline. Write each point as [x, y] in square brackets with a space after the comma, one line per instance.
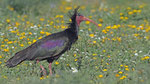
[15, 60]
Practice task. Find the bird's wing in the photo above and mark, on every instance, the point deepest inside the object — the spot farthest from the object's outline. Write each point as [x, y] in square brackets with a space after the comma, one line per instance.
[51, 44]
[48, 48]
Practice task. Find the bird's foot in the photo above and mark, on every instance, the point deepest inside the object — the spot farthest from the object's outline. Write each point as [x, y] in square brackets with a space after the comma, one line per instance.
[43, 73]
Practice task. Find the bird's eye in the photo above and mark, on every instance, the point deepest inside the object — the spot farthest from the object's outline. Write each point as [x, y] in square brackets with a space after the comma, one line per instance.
[79, 14]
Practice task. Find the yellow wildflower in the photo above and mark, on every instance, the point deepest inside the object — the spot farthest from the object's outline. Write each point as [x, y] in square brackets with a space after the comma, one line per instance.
[100, 76]
[2, 45]
[123, 77]
[5, 39]
[121, 14]
[104, 51]
[8, 20]
[117, 75]
[41, 78]
[75, 55]
[108, 27]
[121, 65]
[104, 31]
[68, 8]
[145, 58]
[94, 58]
[120, 72]
[100, 20]
[29, 42]
[133, 69]
[21, 37]
[94, 54]
[0, 62]
[42, 19]
[121, 18]
[136, 35]
[23, 33]
[40, 37]
[27, 22]
[89, 29]
[87, 22]
[128, 8]
[107, 63]
[134, 10]
[130, 13]
[104, 69]
[68, 65]
[61, 16]
[127, 69]
[17, 24]
[6, 50]
[30, 33]
[47, 33]
[125, 18]
[56, 16]
[139, 11]
[34, 40]
[42, 32]
[76, 60]
[100, 25]
[56, 63]
[51, 23]
[108, 56]
[9, 42]
[90, 16]
[11, 9]
[21, 45]
[82, 7]
[114, 26]
[91, 35]
[119, 39]
[141, 6]
[13, 31]
[133, 26]
[63, 27]
[126, 66]
[5, 77]
[94, 42]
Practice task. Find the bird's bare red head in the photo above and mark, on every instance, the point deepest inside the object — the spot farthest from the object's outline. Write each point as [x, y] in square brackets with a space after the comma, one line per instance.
[78, 18]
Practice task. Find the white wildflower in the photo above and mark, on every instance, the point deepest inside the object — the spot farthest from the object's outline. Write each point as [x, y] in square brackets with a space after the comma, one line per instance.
[74, 70]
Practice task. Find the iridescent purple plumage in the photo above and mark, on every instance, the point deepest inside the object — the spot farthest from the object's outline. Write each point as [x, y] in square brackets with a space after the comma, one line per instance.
[52, 44]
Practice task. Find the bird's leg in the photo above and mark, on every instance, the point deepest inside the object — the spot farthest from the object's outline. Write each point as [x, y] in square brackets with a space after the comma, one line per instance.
[43, 69]
[50, 68]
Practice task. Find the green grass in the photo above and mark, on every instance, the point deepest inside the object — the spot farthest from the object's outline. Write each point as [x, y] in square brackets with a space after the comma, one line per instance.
[117, 53]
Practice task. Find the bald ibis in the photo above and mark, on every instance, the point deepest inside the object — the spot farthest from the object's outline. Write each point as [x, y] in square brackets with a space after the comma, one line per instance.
[51, 47]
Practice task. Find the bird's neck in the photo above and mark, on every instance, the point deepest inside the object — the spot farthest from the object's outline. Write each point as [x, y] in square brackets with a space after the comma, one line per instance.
[72, 34]
[74, 27]
[73, 31]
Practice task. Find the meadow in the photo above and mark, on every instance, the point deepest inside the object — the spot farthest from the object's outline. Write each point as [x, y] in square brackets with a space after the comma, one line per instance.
[116, 53]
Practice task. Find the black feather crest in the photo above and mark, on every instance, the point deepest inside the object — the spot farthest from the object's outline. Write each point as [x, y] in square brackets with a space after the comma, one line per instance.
[73, 17]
